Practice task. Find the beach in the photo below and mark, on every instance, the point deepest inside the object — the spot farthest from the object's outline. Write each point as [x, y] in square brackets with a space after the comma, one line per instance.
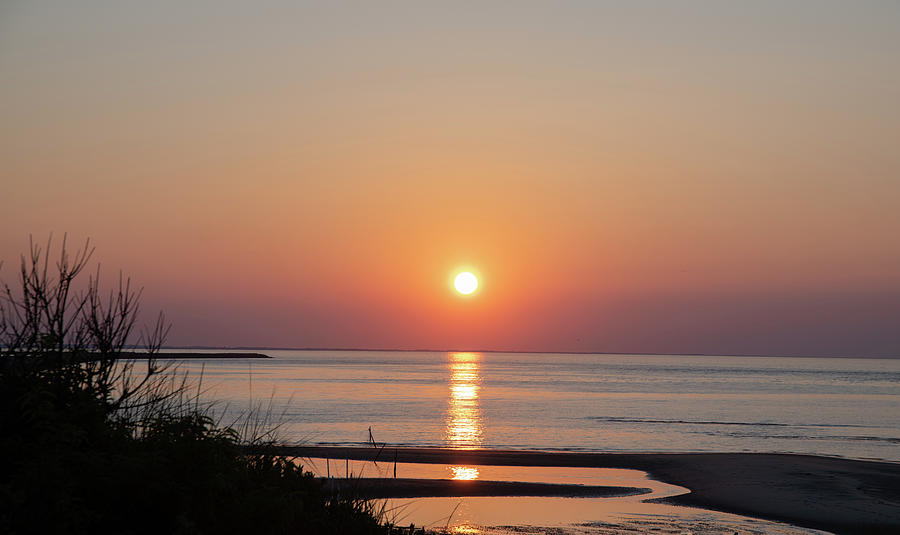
[807, 442]
[841, 496]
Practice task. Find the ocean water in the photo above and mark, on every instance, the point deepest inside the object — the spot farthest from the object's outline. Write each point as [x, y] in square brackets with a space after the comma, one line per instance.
[605, 403]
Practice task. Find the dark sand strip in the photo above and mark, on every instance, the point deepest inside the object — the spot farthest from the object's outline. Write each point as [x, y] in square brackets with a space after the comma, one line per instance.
[441, 488]
[837, 495]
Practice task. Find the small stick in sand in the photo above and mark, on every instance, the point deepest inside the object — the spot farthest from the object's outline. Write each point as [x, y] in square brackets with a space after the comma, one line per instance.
[447, 525]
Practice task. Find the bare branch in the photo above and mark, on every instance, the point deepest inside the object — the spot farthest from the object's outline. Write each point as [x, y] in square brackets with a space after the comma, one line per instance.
[48, 323]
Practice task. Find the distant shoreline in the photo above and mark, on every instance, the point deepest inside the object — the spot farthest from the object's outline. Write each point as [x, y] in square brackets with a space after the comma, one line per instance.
[842, 496]
[522, 352]
[186, 355]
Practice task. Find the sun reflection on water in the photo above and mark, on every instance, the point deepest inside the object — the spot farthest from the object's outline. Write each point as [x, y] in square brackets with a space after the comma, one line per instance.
[465, 529]
[464, 428]
[463, 473]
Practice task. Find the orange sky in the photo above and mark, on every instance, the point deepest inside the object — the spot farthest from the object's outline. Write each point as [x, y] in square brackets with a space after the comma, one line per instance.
[705, 178]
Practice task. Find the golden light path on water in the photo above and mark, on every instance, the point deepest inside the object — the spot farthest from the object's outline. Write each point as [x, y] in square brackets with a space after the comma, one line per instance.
[464, 425]
[464, 472]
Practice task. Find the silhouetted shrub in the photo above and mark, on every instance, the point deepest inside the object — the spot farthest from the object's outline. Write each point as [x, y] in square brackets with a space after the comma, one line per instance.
[90, 444]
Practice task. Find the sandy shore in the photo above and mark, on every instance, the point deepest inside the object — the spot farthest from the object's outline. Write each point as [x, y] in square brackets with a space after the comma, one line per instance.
[837, 495]
[431, 488]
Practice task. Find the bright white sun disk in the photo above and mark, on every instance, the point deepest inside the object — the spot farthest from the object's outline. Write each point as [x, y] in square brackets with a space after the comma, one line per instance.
[465, 283]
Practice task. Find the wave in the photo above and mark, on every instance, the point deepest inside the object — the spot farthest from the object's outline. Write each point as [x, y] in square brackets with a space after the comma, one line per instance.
[845, 438]
[617, 419]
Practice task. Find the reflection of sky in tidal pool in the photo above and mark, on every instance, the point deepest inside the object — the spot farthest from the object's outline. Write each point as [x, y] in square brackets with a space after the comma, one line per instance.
[564, 516]
[464, 426]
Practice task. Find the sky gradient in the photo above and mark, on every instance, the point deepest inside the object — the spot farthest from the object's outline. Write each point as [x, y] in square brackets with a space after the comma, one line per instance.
[691, 177]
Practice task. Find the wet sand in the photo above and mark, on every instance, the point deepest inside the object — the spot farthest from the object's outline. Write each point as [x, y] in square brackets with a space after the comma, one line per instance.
[440, 488]
[832, 494]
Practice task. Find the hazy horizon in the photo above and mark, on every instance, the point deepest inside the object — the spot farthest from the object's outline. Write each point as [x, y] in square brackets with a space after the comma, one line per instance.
[511, 351]
[690, 178]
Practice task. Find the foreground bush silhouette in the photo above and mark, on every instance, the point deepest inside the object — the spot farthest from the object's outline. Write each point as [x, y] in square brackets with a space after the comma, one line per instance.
[93, 444]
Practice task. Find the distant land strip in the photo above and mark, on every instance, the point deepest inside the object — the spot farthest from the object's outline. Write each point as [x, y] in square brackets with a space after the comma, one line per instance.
[181, 356]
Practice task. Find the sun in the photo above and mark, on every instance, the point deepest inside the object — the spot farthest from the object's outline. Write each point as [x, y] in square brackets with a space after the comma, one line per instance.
[465, 283]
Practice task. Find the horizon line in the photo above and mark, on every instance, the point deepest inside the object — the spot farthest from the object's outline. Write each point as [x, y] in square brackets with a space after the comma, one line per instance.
[425, 350]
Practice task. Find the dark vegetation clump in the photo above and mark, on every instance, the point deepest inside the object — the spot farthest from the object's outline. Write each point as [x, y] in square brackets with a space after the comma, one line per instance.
[90, 443]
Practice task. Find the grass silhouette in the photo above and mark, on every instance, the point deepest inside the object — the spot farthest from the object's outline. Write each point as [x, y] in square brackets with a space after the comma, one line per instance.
[91, 443]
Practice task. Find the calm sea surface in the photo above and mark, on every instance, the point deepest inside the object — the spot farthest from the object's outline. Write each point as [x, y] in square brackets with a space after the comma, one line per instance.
[844, 407]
